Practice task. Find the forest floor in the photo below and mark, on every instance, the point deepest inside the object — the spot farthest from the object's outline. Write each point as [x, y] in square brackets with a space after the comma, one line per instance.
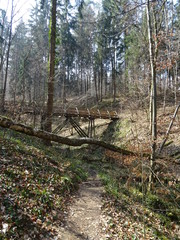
[90, 193]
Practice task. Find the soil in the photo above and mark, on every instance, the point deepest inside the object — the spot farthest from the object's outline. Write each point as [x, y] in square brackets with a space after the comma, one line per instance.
[84, 220]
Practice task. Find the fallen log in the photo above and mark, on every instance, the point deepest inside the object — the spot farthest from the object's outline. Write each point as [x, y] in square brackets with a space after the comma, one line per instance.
[8, 123]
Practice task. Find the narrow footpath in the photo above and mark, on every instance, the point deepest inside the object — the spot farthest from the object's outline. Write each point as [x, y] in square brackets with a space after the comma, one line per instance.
[85, 220]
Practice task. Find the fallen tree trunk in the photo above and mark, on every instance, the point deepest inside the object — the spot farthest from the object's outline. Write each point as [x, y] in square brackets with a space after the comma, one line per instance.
[8, 123]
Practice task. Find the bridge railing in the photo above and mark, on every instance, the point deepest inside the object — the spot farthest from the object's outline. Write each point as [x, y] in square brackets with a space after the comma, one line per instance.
[69, 112]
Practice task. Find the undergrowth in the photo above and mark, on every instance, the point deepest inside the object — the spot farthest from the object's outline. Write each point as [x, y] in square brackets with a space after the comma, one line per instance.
[152, 215]
[135, 213]
[35, 186]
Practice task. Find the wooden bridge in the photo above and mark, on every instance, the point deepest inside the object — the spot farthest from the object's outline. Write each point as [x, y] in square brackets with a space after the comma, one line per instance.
[72, 114]
[86, 113]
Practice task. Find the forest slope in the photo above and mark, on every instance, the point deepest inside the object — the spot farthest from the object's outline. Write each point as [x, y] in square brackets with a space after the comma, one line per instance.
[37, 181]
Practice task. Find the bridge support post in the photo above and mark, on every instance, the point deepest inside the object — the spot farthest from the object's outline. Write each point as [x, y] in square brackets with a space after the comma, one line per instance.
[91, 128]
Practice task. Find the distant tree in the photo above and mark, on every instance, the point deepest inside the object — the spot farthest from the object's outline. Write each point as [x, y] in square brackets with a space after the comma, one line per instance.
[66, 47]
[84, 35]
[38, 25]
[19, 73]
[3, 44]
[7, 57]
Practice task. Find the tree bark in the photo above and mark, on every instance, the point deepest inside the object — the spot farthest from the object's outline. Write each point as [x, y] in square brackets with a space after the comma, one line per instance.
[8, 123]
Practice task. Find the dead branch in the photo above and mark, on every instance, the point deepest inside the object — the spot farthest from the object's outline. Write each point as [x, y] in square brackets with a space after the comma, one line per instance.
[168, 130]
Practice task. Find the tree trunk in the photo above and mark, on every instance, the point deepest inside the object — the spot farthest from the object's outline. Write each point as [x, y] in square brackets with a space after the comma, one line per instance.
[175, 84]
[64, 87]
[23, 85]
[99, 85]
[165, 93]
[105, 83]
[114, 81]
[102, 76]
[48, 125]
[95, 83]
[81, 87]
[153, 82]
[2, 53]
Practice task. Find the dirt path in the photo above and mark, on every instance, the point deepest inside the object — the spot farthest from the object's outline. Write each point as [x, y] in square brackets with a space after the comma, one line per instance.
[85, 220]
